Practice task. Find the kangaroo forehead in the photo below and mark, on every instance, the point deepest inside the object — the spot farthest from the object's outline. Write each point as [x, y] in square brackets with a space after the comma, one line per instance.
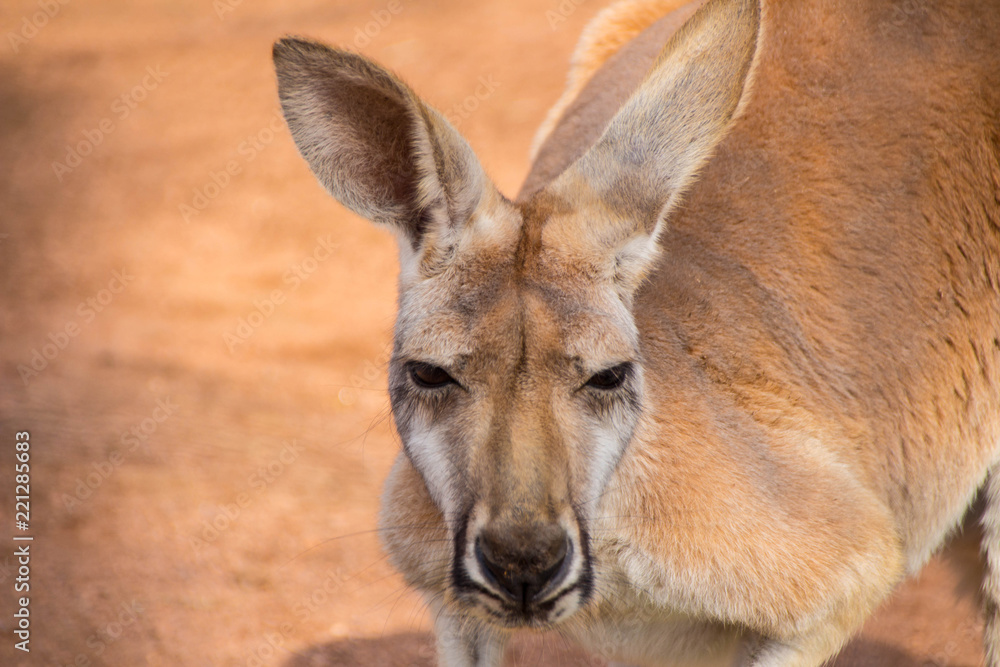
[514, 320]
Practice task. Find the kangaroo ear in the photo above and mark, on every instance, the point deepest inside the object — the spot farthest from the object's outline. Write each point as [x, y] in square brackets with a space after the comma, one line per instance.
[654, 146]
[374, 145]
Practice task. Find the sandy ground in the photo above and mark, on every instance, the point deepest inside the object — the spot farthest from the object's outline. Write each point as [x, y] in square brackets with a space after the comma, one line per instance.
[195, 336]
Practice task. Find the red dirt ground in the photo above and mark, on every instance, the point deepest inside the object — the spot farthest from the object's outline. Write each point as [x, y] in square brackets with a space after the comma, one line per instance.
[233, 371]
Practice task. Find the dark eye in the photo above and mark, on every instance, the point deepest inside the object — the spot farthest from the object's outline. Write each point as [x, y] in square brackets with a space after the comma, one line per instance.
[610, 378]
[429, 376]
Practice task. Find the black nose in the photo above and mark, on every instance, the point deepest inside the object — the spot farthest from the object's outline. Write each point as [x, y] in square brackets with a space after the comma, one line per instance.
[523, 561]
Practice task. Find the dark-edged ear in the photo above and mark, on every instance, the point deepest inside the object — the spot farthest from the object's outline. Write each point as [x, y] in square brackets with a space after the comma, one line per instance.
[654, 146]
[374, 145]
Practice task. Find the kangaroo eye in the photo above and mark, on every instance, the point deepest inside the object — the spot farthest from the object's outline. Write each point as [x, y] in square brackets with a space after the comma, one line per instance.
[610, 378]
[429, 376]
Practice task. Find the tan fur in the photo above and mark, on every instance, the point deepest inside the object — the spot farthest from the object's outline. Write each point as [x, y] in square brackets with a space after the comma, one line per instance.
[603, 37]
[790, 234]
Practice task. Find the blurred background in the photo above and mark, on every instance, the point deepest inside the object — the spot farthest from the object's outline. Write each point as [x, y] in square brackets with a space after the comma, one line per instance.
[195, 335]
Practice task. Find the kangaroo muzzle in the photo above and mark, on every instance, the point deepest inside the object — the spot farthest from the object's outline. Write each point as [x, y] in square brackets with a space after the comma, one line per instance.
[523, 563]
[523, 570]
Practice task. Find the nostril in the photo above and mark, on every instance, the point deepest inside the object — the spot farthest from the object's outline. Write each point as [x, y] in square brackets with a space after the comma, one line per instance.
[558, 559]
[522, 568]
[496, 572]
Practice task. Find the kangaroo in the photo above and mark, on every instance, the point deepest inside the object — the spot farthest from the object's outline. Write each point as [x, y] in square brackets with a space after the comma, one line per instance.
[712, 388]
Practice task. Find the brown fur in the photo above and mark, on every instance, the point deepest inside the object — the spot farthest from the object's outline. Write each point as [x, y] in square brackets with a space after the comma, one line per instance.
[793, 234]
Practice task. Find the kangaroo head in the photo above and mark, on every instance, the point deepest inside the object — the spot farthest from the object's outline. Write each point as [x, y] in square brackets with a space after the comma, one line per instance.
[516, 378]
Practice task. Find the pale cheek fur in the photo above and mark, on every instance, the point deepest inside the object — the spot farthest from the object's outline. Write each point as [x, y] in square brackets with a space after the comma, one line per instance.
[428, 451]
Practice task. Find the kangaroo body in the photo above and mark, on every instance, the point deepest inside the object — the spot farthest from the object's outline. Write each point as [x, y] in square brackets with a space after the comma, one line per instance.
[729, 370]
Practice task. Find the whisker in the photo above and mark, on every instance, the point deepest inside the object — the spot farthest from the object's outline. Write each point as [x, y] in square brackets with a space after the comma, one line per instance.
[359, 533]
[399, 597]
